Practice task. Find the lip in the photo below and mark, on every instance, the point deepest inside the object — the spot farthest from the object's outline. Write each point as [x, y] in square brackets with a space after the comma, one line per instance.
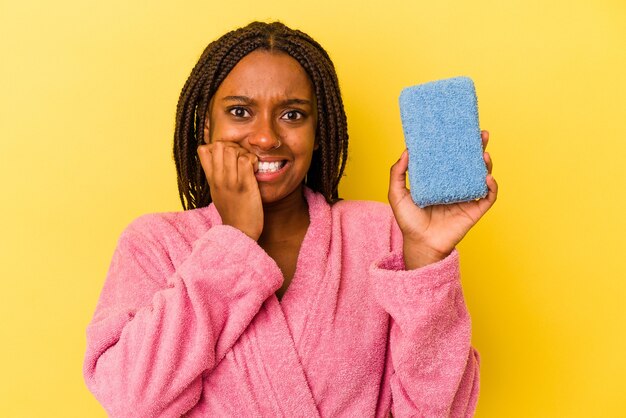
[271, 159]
[266, 177]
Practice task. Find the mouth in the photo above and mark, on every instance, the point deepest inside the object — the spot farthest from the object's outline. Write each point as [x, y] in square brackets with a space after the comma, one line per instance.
[270, 166]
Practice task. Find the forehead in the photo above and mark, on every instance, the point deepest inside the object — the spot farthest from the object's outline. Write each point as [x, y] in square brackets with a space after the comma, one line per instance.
[264, 73]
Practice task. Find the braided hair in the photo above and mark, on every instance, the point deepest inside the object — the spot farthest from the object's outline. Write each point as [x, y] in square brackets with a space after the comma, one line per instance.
[216, 62]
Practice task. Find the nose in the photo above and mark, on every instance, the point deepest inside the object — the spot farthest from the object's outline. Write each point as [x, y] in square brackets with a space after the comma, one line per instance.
[265, 136]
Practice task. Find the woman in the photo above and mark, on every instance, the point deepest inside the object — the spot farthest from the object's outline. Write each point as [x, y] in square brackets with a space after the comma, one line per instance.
[268, 296]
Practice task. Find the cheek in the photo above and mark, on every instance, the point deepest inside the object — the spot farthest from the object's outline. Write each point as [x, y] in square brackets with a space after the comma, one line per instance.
[228, 133]
[305, 139]
[221, 130]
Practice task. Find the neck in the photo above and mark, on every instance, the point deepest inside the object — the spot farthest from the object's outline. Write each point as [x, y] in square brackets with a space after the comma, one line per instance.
[285, 218]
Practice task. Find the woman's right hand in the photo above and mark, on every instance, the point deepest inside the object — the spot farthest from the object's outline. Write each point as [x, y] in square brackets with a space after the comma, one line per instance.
[229, 169]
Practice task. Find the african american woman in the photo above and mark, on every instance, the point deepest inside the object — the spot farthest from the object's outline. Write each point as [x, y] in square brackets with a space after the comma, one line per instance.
[268, 295]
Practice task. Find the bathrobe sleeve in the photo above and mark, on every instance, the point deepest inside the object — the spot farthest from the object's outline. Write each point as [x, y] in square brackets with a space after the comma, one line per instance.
[432, 370]
[158, 329]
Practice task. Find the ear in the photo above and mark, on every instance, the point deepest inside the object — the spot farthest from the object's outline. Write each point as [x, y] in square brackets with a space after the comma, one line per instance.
[207, 131]
[206, 134]
[316, 145]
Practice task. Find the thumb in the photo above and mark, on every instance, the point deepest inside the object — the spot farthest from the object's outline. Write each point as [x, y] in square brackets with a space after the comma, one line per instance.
[250, 160]
[397, 178]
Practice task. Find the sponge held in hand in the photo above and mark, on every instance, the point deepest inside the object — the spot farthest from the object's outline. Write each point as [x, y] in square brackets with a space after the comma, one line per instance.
[442, 134]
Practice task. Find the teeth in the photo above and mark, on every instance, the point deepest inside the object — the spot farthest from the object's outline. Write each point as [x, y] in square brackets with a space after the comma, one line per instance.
[270, 167]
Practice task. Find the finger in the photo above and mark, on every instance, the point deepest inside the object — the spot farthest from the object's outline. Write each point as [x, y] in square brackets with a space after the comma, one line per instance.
[492, 193]
[217, 162]
[253, 159]
[488, 162]
[204, 154]
[230, 167]
[484, 136]
[246, 171]
[398, 170]
[397, 176]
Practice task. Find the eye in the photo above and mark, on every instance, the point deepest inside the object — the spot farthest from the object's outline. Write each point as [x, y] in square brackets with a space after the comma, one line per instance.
[293, 115]
[238, 112]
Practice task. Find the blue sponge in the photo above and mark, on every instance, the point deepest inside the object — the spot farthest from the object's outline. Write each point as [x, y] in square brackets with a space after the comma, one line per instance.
[442, 134]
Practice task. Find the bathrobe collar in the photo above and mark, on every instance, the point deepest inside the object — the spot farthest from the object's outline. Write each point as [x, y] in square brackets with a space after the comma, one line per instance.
[277, 330]
[304, 289]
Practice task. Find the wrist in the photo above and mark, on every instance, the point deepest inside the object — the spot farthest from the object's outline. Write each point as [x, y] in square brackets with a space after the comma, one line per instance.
[417, 256]
[252, 232]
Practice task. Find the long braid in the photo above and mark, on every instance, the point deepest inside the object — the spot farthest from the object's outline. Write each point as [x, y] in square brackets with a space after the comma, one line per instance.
[214, 65]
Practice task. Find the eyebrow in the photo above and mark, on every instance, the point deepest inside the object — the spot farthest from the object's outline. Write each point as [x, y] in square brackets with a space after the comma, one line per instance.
[286, 102]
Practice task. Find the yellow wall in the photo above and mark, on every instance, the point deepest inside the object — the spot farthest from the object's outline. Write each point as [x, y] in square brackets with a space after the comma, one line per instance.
[87, 98]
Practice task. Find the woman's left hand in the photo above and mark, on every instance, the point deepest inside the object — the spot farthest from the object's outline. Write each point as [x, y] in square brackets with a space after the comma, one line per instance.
[430, 234]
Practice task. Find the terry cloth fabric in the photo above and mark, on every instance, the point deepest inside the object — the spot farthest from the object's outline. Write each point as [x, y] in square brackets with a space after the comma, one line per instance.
[442, 134]
[188, 323]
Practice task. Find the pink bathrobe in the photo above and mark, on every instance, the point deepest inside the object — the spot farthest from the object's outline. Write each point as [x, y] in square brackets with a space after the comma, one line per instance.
[188, 323]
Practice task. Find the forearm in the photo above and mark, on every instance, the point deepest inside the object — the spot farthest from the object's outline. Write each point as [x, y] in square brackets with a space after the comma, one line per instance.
[435, 371]
[146, 357]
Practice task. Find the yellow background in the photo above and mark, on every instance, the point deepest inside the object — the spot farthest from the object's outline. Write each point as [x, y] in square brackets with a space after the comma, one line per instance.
[87, 99]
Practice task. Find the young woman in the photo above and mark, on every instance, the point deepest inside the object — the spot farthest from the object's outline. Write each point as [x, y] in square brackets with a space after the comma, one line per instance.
[269, 296]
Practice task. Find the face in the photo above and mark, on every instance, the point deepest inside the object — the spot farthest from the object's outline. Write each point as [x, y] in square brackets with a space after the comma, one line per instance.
[267, 106]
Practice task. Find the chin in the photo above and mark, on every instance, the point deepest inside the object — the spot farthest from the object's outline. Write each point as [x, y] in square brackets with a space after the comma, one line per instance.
[270, 194]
